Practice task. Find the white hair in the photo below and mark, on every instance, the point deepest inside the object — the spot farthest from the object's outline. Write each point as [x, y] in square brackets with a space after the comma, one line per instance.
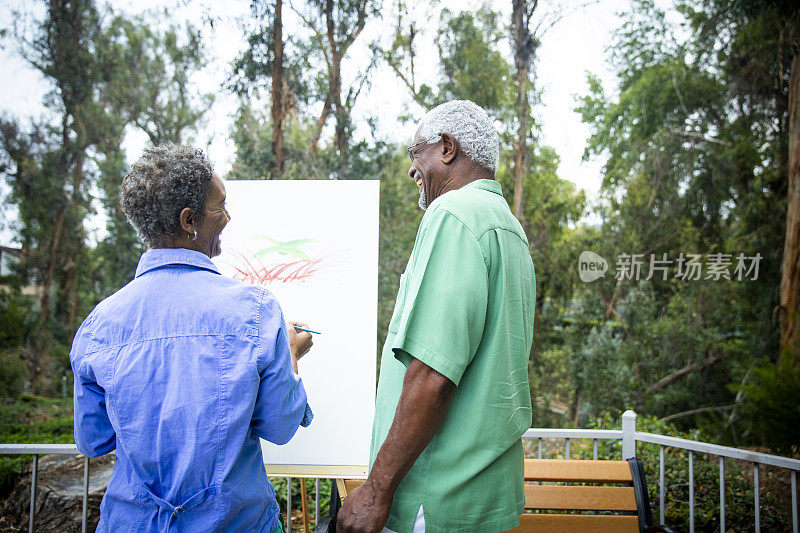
[471, 127]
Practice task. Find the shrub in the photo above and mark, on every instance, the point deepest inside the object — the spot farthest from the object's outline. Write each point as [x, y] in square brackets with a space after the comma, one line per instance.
[31, 419]
[12, 372]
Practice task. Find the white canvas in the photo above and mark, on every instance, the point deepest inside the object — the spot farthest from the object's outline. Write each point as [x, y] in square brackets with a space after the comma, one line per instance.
[314, 244]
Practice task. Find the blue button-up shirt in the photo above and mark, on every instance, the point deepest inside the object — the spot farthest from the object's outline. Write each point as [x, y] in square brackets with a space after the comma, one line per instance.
[182, 371]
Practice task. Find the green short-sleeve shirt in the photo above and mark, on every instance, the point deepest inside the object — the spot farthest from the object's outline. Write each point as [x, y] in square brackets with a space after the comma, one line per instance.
[465, 308]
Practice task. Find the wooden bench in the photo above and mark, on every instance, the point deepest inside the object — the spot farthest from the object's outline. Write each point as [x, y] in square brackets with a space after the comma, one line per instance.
[615, 493]
[616, 496]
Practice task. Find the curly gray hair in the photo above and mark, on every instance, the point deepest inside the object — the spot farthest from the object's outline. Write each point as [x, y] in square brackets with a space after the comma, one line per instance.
[470, 125]
[164, 181]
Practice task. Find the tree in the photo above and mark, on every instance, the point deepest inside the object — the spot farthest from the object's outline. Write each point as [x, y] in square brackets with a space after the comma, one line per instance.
[146, 84]
[697, 163]
[790, 281]
[785, 16]
[470, 62]
[524, 47]
[104, 77]
[400, 54]
[472, 66]
[61, 51]
[336, 24]
[147, 75]
[278, 91]
[264, 59]
[285, 65]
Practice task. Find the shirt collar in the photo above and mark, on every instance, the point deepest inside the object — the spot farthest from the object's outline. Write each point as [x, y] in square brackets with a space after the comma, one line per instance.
[160, 257]
[486, 185]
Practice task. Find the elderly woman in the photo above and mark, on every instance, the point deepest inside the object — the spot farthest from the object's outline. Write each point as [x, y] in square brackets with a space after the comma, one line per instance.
[182, 370]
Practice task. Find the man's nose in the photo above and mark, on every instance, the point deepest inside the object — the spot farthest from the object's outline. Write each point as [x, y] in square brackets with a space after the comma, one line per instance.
[411, 172]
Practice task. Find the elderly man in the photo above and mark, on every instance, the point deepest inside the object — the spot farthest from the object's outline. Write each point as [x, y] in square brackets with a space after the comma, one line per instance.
[453, 395]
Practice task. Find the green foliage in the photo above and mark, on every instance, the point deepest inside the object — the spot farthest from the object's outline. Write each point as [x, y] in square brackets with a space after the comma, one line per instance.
[252, 136]
[695, 144]
[12, 372]
[472, 67]
[18, 317]
[252, 70]
[117, 255]
[774, 404]
[551, 208]
[35, 420]
[147, 75]
[696, 152]
[106, 73]
[400, 217]
[621, 363]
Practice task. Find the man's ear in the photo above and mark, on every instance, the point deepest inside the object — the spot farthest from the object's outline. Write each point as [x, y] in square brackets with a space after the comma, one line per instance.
[186, 219]
[450, 148]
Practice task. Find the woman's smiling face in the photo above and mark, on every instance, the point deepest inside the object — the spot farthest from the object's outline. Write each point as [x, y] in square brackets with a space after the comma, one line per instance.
[216, 218]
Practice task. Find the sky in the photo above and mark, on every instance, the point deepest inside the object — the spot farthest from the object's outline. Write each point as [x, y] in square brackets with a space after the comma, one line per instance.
[569, 49]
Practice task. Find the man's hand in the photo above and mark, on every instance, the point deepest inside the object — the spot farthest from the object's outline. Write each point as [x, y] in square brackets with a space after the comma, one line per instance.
[365, 510]
[299, 342]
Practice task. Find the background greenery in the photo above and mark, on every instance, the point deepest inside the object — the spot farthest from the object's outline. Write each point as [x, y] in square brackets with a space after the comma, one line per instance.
[696, 143]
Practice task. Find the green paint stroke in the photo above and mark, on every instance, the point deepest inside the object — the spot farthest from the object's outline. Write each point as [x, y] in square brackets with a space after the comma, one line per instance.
[290, 248]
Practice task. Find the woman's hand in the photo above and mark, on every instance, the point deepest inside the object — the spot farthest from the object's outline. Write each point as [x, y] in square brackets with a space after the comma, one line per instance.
[299, 342]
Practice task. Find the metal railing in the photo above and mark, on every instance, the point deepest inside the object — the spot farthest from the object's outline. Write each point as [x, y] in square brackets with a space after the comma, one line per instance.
[630, 436]
[70, 449]
[49, 449]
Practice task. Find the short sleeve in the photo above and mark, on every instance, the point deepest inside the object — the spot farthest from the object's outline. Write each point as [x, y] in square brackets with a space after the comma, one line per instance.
[444, 310]
[281, 406]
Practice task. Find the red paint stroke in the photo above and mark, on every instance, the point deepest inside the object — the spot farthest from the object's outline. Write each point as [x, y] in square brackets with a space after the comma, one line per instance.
[252, 270]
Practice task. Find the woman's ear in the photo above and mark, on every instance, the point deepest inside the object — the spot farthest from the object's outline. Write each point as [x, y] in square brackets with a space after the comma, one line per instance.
[450, 148]
[187, 221]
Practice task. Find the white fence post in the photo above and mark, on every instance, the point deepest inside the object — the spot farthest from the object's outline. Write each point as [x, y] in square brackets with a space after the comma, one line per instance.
[628, 434]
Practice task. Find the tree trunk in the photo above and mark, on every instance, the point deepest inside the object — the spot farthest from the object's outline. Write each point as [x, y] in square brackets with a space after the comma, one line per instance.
[522, 62]
[277, 94]
[790, 271]
[523, 49]
[72, 270]
[340, 137]
[576, 406]
[41, 345]
[323, 118]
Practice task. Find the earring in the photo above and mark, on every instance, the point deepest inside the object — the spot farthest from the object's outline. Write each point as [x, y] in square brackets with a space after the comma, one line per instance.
[189, 236]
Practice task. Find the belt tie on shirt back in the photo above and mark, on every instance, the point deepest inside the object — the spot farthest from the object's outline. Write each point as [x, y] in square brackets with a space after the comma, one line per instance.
[174, 511]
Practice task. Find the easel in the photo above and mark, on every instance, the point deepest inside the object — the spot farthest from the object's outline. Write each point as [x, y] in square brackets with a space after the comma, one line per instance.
[346, 478]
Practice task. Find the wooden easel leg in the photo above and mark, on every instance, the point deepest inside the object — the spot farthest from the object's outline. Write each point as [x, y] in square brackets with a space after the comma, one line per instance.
[342, 488]
[304, 497]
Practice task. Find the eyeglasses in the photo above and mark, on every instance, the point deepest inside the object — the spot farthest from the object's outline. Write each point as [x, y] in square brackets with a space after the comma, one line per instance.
[410, 150]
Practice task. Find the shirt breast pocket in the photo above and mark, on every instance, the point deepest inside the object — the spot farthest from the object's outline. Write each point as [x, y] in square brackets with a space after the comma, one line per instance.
[394, 323]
